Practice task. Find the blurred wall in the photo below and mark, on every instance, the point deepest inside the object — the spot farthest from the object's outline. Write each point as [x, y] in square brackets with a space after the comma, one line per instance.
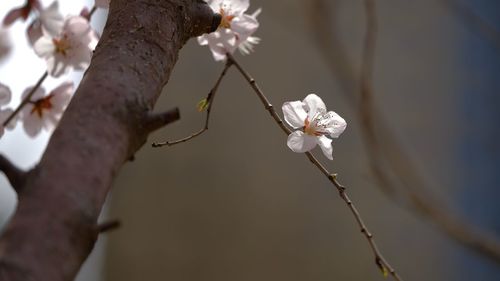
[477, 147]
[236, 204]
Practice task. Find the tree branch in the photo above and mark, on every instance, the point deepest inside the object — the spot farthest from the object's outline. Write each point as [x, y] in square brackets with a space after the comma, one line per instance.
[210, 101]
[108, 226]
[54, 227]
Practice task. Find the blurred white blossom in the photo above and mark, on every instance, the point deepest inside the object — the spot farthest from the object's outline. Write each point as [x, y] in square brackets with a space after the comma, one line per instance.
[70, 48]
[5, 96]
[44, 111]
[49, 21]
[315, 124]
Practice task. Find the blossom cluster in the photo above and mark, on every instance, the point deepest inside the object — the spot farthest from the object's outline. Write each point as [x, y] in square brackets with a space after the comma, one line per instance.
[65, 43]
[235, 29]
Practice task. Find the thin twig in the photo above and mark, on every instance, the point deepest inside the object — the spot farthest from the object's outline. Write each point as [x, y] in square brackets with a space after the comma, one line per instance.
[15, 175]
[380, 261]
[26, 99]
[92, 11]
[210, 101]
[38, 84]
[411, 190]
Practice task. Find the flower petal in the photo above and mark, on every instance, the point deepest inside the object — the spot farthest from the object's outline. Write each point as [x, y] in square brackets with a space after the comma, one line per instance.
[336, 124]
[326, 146]
[61, 97]
[31, 123]
[13, 15]
[51, 20]
[39, 93]
[44, 47]
[300, 142]
[314, 104]
[4, 114]
[294, 114]
[244, 26]
[239, 6]
[34, 31]
[5, 94]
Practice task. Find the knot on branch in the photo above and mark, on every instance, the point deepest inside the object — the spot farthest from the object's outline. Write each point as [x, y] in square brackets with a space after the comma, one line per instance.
[202, 19]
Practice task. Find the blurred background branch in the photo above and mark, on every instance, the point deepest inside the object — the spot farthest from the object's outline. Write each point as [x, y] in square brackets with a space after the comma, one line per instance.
[474, 21]
[404, 182]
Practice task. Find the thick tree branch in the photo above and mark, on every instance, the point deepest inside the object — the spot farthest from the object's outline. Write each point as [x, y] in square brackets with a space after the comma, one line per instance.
[54, 227]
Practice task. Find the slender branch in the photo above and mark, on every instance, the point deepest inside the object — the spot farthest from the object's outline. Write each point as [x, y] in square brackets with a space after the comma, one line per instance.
[380, 261]
[92, 11]
[26, 99]
[108, 226]
[409, 192]
[15, 175]
[210, 101]
[155, 121]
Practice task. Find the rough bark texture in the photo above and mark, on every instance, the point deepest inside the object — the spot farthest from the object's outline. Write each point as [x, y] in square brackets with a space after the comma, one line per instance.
[54, 227]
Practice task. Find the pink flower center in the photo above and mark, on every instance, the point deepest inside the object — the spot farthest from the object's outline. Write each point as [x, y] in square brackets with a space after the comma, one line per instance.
[310, 130]
[41, 105]
[62, 45]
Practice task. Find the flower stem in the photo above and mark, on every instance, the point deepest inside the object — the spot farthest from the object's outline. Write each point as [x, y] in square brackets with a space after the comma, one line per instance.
[26, 99]
[380, 261]
[210, 100]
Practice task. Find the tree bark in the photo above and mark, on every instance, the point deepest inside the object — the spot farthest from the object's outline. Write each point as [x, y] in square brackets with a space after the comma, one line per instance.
[54, 227]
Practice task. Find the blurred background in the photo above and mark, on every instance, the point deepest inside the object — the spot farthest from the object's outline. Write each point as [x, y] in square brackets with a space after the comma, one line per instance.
[237, 204]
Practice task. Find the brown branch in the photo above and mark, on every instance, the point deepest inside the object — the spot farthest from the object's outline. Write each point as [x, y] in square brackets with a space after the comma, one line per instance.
[210, 101]
[15, 175]
[54, 227]
[155, 121]
[380, 261]
[409, 191]
[108, 226]
[27, 99]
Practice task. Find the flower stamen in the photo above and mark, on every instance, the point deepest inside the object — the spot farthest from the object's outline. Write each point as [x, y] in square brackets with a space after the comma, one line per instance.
[62, 45]
[310, 129]
[226, 19]
[42, 104]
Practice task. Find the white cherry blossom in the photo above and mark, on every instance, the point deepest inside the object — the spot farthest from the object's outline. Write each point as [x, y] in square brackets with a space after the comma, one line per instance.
[235, 30]
[315, 123]
[44, 111]
[102, 3]
[50, 21]
[70, 48]
[5, 96]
